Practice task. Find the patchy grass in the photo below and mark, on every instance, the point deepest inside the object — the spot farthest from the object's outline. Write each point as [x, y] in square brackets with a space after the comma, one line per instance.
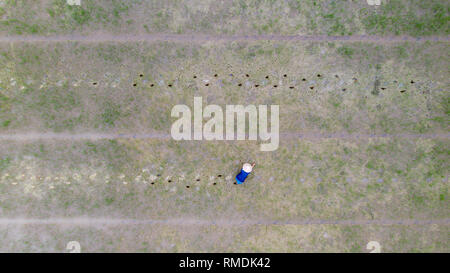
[82, 93]
[329, 17]
[398, 17]
[346, 179]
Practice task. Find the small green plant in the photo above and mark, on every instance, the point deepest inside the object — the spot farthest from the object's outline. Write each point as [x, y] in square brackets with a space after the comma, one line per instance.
[346, 51]
[110, 114]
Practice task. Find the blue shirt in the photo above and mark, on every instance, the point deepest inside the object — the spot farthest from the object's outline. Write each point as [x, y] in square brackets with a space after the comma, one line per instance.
[240, 178]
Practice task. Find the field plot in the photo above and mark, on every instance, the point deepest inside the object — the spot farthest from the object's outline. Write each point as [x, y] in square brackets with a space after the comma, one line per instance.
[254, 17]
[86, 152]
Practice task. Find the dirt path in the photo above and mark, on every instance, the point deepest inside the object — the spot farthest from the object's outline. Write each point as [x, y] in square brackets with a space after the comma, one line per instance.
[196, 38]
[32, 136]
[218, 222]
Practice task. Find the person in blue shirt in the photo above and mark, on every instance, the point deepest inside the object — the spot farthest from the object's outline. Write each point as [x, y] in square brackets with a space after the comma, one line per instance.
[246, 170]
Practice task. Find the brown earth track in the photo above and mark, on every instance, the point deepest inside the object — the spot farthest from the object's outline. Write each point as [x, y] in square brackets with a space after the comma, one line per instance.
[221, 222]
[197, 38]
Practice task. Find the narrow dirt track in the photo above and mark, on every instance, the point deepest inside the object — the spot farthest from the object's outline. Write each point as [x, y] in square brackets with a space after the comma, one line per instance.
[196, 38]
[219, 222]
[165, 136]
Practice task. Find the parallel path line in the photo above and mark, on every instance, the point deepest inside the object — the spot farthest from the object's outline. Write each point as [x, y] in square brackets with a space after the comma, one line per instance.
[219, 222]
[32, 136]
[201, 38]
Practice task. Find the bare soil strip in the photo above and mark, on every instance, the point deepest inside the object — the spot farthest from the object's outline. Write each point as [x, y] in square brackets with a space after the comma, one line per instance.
[220, 222]
[164, 136]
[196, 38]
